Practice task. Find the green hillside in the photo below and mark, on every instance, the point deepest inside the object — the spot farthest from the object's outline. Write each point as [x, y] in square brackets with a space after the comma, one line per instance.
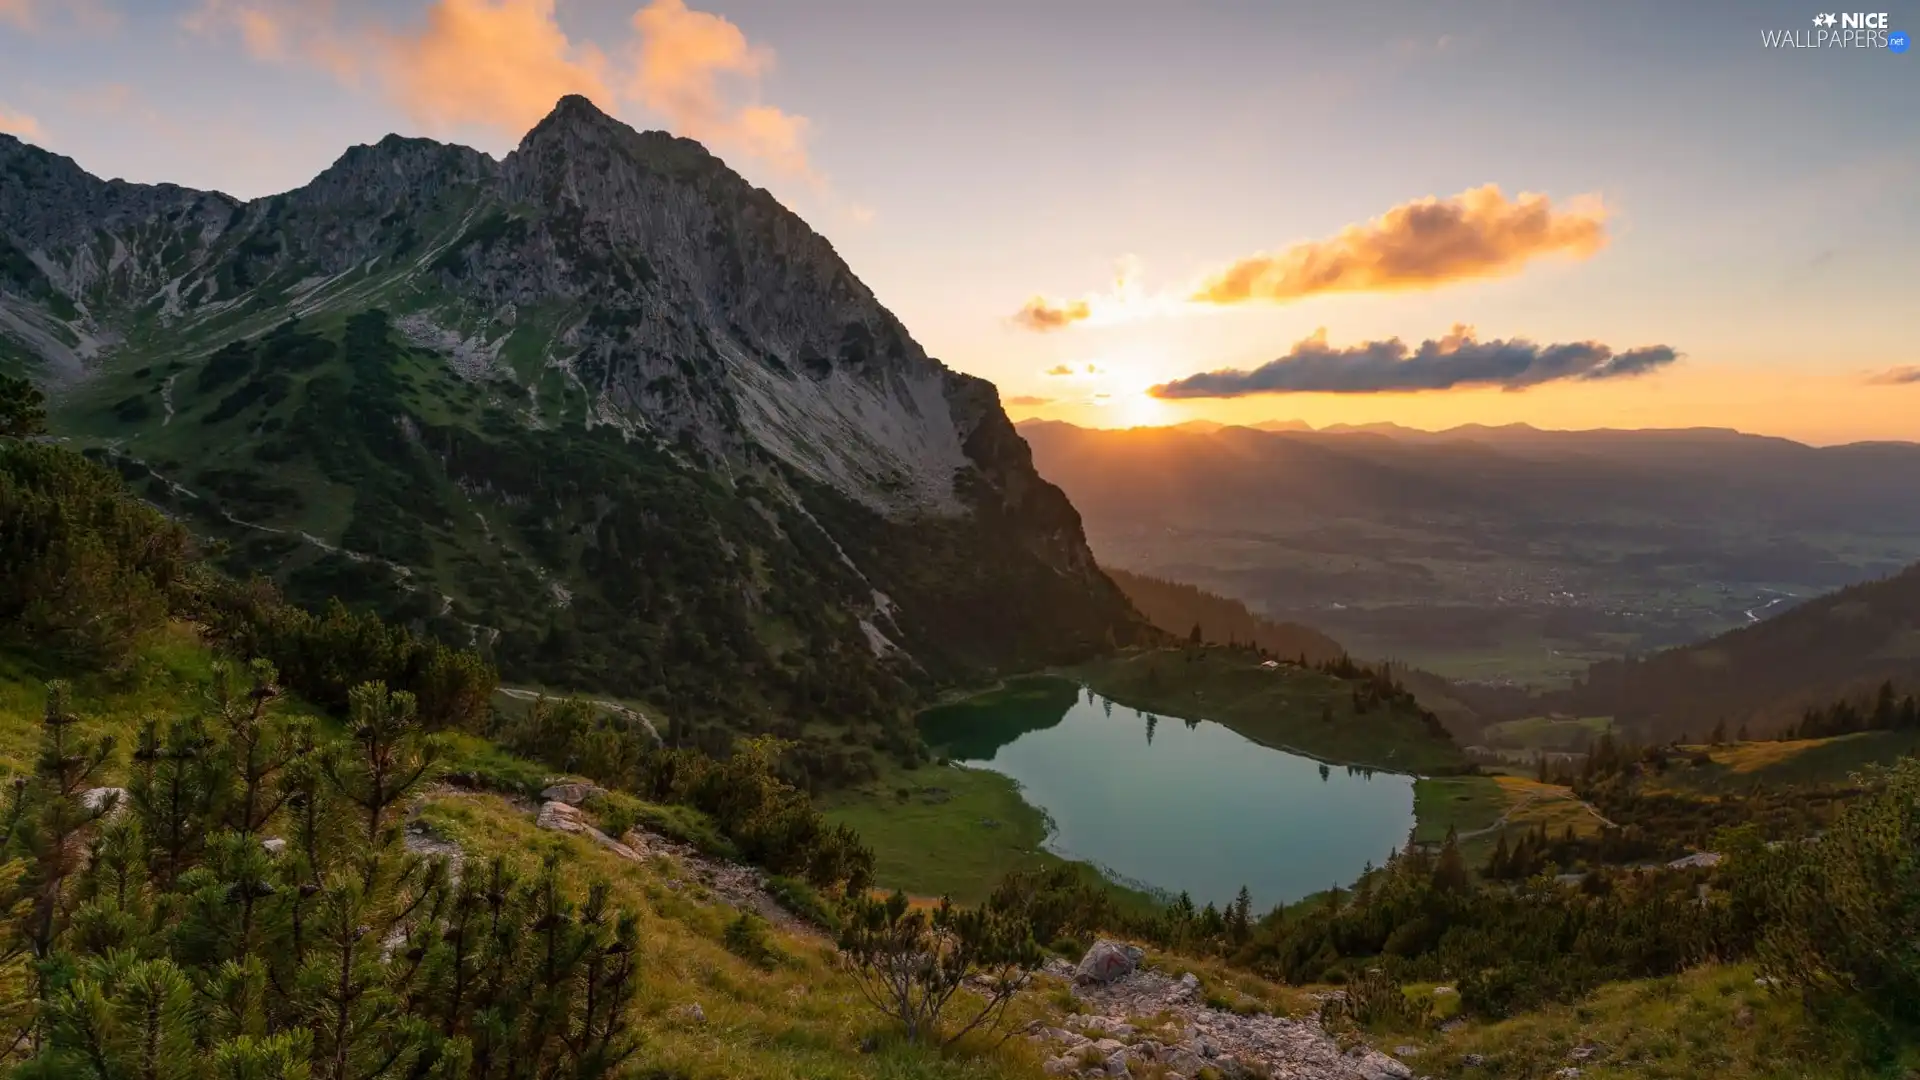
[1349, 717]
[1839, 644]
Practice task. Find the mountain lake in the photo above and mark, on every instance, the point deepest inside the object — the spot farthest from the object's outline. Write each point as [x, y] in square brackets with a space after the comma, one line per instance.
[1168, 804]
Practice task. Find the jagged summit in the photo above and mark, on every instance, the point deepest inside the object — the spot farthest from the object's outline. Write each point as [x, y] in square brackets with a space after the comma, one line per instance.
[576, 121]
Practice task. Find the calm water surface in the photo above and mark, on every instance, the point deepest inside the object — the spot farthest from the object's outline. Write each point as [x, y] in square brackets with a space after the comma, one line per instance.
[1178, 805]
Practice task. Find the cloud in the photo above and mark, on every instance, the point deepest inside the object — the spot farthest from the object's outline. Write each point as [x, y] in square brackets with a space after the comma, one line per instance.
[1124, 301]
[19, 124]
[1061, 371]
[90, 15]
[1899, 376]
[681, 55]
[1418, 245]
[1041, 314]
[1456, 361]
[1029, 401]
[504, 63]
[1065, 371]
[498, 63]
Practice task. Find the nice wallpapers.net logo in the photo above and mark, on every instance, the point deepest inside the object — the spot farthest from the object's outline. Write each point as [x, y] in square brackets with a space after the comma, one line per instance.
[1843, 30]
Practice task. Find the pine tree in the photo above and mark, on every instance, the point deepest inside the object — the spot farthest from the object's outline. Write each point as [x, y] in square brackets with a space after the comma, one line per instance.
[1240, 917]
[1450, 871]
[23, 410]
[392, 756]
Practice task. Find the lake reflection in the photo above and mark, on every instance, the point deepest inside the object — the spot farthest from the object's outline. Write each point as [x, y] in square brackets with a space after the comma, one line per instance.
[1178, 804]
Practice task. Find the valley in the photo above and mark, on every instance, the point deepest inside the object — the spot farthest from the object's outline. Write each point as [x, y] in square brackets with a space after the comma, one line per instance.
[1506, 557]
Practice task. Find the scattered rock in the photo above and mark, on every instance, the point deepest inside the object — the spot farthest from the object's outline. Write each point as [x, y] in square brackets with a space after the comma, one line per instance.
[1374, 1065]
[420, 839]
[1473, 1061]
[1406, 1051]
[274, 845]
[1441, 991]
[1108, 961]
[108, 802]
[1185, 1038]
[695, 1013]
[1568, 1073]
[1582, 1053]
[573, 794]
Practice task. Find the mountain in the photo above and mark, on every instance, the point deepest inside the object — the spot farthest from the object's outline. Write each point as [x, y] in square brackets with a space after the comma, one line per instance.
[1762, 677]
[1493, 554]
[601, 408]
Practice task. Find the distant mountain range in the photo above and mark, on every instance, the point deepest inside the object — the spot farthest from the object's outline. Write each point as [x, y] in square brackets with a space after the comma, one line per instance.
[1500, 434]
[601, 408]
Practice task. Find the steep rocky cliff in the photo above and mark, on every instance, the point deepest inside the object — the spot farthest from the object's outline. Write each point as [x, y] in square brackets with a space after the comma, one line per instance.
[601, 406]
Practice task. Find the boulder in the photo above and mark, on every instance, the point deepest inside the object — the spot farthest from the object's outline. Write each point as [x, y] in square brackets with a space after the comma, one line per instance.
[558, 816]
[1117, 1064]
[1106, 962]
[110, 802]
[1374, 1065]
[573, 794]
[274, 845]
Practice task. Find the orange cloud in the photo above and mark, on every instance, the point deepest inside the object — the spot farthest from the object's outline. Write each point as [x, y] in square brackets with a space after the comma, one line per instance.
[679, 60]
[500, 63]
[504, 63]
[1043, 314]
[1027, 401]
[1423, 244]
[19, 124]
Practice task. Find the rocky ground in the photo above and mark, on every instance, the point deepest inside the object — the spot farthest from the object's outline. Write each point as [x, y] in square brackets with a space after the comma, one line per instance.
[1134, 1021]
[1129, 1021]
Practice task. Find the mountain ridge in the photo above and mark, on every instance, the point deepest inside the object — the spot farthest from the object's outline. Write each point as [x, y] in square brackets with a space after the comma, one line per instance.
[600, 407]
[1481, 432]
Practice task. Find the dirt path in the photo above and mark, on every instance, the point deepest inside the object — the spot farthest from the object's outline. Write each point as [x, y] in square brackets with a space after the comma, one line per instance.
[519, 694]
[1505, 818]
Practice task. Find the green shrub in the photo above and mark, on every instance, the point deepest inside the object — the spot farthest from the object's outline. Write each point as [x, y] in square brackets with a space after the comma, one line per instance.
[746, 937]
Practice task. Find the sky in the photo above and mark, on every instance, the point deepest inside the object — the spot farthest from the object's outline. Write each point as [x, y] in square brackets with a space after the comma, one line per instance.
[1127, 212]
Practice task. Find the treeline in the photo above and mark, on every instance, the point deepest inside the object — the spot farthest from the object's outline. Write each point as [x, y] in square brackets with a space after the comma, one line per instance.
[1180, 609]
[1375, 687]
[1885, 711]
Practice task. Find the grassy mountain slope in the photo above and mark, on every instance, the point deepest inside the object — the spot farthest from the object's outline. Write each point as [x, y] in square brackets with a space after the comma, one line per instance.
[1843, 644]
